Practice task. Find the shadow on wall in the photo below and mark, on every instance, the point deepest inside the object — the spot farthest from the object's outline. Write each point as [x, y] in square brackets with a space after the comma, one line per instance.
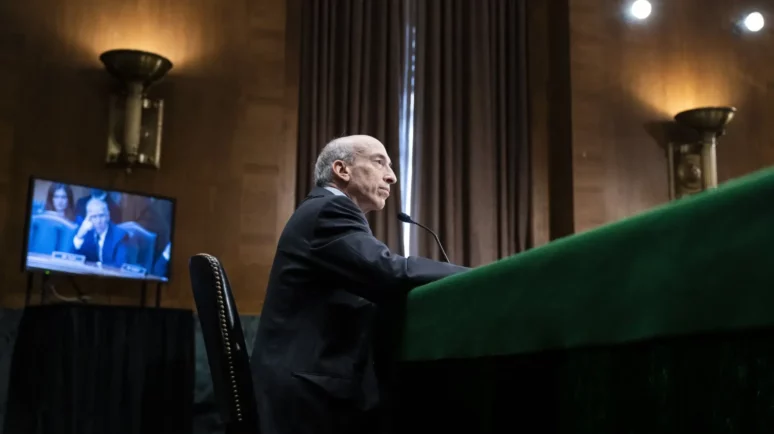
[205, 417]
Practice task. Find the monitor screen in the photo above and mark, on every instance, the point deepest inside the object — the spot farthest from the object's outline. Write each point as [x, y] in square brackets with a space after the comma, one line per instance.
[79, 229]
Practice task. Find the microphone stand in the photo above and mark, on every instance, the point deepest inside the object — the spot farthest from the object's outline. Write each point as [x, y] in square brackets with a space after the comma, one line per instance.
[407, 219]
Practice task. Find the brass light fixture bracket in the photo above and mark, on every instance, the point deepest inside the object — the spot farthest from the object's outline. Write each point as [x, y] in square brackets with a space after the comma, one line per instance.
[693, 165]
[134, 137]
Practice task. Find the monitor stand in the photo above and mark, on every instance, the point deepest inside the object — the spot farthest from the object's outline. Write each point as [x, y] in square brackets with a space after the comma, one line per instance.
[30, 283]
[81, 296]
[144, 292]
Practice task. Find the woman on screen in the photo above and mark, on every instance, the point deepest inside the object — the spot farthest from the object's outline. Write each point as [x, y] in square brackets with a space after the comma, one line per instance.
[59, 200]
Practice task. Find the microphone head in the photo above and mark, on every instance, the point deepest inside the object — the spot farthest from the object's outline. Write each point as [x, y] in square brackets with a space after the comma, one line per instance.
[405, 218]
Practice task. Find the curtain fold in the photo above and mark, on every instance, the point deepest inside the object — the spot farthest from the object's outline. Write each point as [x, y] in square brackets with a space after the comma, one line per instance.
[352, 63]
[471, 171]
[101, 369]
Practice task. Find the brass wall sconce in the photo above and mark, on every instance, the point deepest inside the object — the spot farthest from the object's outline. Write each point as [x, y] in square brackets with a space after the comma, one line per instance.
[135, 120]
[693, 165]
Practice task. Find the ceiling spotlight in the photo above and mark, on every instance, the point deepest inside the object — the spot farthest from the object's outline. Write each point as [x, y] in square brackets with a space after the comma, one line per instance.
[641, 9]
[754, 21]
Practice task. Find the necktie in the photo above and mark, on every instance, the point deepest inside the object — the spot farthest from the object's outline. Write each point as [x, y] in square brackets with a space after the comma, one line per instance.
[99, 247]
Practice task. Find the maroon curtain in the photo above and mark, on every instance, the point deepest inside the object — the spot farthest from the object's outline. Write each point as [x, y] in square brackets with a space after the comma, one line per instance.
[352, 62]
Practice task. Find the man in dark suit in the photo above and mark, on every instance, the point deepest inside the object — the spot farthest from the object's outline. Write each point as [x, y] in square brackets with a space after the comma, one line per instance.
[99, 239]
[313, 358]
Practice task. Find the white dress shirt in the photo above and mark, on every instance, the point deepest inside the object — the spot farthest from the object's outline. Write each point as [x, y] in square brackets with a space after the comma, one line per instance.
[78, 242]
[335, 191]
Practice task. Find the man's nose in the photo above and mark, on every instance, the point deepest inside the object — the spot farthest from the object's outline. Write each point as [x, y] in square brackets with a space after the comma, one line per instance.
[390, 178]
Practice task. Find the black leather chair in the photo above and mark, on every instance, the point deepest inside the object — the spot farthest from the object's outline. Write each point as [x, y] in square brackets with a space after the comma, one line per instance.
[225, 344]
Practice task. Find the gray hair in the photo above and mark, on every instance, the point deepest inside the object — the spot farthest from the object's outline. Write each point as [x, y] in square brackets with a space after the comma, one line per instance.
[337, 149]
[97, 202]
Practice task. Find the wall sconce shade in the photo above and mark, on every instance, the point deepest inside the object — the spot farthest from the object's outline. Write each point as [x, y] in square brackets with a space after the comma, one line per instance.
[135, 120]
[710, 120]
[130, 66]
[693, 165]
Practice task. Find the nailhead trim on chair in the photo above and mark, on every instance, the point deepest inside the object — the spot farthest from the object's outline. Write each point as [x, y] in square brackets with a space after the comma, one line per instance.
[219, 284]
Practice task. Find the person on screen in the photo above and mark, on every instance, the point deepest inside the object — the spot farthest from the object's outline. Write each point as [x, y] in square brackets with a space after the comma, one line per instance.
[96, 193]
[313, 360]
[59, 200]
[162, 263]
[98, 238]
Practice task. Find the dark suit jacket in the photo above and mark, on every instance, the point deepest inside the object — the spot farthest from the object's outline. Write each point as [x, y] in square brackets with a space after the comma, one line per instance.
[314, 346]
[114, 250]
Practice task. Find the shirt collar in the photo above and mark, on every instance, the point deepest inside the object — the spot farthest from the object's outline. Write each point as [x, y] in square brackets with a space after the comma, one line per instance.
[335, 190]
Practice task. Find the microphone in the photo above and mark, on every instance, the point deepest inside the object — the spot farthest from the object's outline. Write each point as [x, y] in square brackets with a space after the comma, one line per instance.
[405, 218]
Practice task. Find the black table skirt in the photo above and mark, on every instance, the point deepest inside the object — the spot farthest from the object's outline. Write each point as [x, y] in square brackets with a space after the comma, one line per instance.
[709, 384]
[99, 369]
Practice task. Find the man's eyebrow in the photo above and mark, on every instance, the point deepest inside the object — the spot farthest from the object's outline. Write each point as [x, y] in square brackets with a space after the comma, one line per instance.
[383, 157]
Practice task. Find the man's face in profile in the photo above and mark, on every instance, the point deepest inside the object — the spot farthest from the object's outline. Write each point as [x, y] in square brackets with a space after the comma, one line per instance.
[370, 176]
[97, 213]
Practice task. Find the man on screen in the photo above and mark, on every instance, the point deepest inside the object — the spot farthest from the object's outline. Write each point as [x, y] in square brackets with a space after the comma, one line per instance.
[98, 238]
[313, 363]
[99, 194]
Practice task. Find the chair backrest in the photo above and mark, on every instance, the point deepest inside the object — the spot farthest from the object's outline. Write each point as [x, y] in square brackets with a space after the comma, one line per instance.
[144, 242]
[50, 232]
[225, 343]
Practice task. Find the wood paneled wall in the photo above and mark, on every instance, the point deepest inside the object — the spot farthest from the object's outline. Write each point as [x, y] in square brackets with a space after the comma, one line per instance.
[229, 126]
[548, 58]
[231, 104]
[626, 75]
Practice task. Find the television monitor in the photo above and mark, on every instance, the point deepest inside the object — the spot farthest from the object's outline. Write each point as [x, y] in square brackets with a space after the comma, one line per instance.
[89, 230]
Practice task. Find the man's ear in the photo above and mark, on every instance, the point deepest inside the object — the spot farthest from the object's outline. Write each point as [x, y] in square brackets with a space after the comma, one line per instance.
[341, 170]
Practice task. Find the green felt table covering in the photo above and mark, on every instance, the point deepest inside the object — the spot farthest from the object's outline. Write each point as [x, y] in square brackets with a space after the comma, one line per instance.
[696, 265]
[659, 323]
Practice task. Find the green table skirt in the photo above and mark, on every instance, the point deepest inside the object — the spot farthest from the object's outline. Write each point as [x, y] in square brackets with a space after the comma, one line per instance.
[720, 383]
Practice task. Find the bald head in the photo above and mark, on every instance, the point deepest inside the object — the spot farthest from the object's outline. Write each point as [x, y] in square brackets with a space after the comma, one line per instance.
[358, 166]
[344, 149]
